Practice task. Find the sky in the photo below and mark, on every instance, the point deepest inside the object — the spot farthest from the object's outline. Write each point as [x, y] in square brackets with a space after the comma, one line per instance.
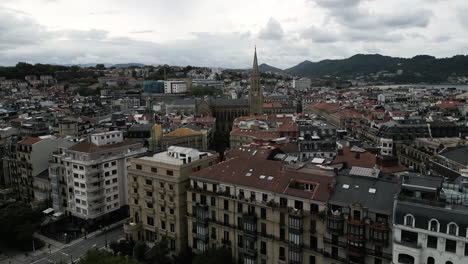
[219, 33]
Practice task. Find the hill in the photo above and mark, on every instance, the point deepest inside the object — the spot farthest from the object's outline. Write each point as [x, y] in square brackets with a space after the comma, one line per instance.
[421, 68]
[267, 68]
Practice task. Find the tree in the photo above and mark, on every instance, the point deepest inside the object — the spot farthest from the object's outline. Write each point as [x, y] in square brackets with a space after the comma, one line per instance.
[18, 222]
[123, 247]
[159, 253]
[139, 251]
[100, 67]
[104, 257]
[214, 256]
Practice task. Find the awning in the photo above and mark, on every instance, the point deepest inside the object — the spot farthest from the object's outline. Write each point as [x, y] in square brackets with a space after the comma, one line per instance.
[58, 214]
[318, 160]
[48, 210]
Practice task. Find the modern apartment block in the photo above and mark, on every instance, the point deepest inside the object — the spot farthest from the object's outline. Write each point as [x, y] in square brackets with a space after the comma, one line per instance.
[263, 213]
[96, 170]
[431, 221]
[157, 194]
[359, 218]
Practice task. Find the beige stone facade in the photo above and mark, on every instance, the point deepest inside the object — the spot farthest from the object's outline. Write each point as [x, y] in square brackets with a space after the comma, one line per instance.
[157, 195]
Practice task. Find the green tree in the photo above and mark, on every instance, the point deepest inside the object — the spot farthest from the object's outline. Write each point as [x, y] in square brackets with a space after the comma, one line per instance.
[139, 251]
[123, 247]
[104, 257]
[214, 256]
[18, 222]
[159, 253]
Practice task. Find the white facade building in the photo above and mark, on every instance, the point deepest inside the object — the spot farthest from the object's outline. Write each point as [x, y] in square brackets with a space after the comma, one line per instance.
[96, 174]
[302, 84]
[175, 87]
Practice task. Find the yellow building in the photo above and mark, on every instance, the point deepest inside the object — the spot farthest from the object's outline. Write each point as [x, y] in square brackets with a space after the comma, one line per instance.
[157, 194]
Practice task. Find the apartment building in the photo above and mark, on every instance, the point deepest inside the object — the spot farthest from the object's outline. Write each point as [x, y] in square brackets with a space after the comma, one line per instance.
[175, 87]
[96, 170]
[262, 213]
[431, 221]
[157, 194]
[28, 162]
[359, 218]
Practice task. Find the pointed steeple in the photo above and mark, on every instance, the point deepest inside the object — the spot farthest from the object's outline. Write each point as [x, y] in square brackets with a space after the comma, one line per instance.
[255, 62]
[256, 91]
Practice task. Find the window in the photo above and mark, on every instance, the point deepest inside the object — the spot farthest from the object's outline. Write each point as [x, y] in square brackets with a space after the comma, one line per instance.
[226, 219]
[466, 249]
[226, 205]
[409, 220]
[194, 197]
[450, 245]
[213, 215]
[163, 225]
[150, 221]
[170, 173]
[153, 169]
[149, 205]
[172, 228]
[263, 229]
[263, 213]
[452, 229]
[171, 211]
[148, 182]
[213, 201]
[240, 241]
[430, 260]
[434, 225]
[448, 262]
[264, 197]
[263, 248]
[139, 167]
[213, 233]
[171, 187]
[282, 254]
[149, 194]
[313, 242]
[431, 242]
[239, 208]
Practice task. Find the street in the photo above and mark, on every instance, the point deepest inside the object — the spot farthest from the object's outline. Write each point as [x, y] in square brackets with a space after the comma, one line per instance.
[75, 251]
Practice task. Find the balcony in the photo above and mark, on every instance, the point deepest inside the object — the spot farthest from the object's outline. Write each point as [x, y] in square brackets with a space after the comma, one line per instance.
[335, 242]
[162, 214]
[161, 191]
[130, 226]
[335, 224]
[356, 230]
[171, 205]
[379, 233]
[95, 196]
[202, 237]
[149, 211]
[226, 242]
[93, 188]
[134, 184]
[252, 252]
[170, 192]
[148, 188]
[171, 217]
[379, 254]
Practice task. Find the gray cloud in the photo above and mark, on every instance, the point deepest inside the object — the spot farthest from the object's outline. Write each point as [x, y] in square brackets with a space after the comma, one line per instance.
[350, 14]
[462, 16]
[317, 35]
[16, 28]
[272, 31]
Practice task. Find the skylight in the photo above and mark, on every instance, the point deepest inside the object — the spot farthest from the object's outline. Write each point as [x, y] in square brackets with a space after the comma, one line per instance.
[345, 186]
[248, 174]
[270, 178]
[262, 177]
[372, 190]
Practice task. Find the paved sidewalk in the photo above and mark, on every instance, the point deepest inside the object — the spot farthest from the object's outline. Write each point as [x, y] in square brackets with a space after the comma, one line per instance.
[16, 257]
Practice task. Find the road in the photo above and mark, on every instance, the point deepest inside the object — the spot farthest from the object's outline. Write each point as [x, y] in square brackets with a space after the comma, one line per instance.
[74, 252]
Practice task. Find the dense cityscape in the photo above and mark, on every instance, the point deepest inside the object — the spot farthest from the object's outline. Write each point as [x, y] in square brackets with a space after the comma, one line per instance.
[361, 159]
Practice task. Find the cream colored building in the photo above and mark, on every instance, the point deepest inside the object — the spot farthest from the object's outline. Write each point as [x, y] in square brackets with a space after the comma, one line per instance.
[262, 213]
[157, 194]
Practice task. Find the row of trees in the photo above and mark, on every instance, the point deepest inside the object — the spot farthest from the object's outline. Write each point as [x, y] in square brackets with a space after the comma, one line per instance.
[128, 252]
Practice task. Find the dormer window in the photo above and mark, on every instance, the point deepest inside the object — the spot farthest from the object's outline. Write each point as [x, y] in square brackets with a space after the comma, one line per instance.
[452, 229]
[409, 220]
[434, 225]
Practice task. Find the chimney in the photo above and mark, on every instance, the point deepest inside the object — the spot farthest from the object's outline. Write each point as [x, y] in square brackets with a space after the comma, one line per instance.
[358, 155]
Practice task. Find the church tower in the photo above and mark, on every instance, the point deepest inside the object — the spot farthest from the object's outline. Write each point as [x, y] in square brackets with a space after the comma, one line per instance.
[256, 91]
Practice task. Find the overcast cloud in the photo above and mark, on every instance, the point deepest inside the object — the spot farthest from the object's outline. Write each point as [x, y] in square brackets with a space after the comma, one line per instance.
[223, 33]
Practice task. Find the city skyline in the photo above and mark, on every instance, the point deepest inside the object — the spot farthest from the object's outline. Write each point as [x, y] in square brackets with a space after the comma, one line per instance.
[63, 32]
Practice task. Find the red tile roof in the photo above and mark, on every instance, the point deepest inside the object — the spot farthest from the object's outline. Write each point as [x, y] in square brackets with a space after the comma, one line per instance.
[235, 171]
[29, 141]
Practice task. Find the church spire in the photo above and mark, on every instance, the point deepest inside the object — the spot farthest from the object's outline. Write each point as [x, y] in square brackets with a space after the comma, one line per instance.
[255, 62]
[256, 91]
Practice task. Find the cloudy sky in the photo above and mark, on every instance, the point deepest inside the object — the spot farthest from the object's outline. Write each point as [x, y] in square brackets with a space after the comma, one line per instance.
[223, 33]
